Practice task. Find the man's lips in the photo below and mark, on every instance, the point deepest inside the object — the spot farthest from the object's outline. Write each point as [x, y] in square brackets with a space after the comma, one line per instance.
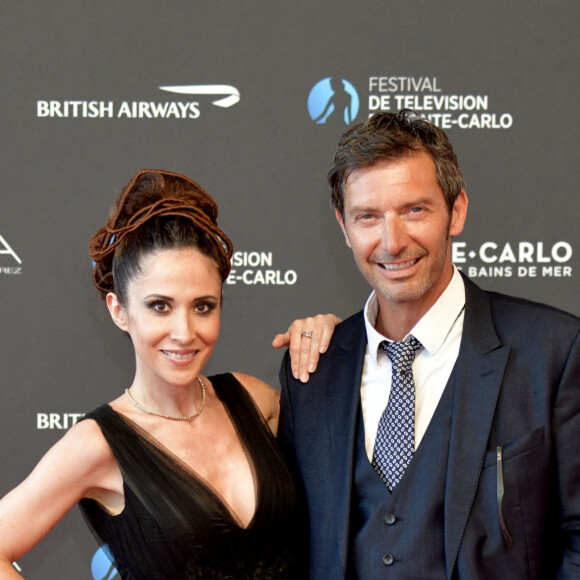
[391, 266]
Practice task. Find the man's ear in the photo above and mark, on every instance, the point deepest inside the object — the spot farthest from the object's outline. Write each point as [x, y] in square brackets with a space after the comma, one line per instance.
[458, 214]
[341, 224]
[116, 311]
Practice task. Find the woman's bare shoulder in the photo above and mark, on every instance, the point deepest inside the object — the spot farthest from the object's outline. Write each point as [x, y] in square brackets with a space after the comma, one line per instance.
[266, 397]
[84, 445]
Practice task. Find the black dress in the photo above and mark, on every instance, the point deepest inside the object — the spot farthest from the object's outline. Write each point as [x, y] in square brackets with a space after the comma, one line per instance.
[174, 526]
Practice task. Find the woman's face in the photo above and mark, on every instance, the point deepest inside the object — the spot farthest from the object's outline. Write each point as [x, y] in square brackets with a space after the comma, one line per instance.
[172, 314]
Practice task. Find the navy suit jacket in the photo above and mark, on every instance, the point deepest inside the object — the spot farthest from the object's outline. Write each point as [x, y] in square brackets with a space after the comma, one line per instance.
[518, 387]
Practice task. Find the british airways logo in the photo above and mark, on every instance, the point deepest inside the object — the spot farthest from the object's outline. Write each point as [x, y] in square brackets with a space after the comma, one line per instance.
[228, 95]
[195, 101]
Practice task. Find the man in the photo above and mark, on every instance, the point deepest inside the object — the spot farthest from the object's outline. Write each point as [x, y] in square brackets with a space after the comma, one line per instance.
[466, 462]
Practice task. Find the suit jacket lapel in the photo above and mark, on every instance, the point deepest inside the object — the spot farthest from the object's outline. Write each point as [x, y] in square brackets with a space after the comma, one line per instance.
[480, 368]
[343, 396]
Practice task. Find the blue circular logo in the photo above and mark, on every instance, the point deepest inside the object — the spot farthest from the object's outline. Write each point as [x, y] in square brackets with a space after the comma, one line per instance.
[333, 98]
[102, 567]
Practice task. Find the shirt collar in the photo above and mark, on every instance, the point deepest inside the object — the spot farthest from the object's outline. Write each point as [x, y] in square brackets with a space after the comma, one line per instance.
[432, 329]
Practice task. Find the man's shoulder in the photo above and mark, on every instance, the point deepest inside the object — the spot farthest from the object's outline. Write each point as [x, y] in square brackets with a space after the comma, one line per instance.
[520, 314]
[353, 321]
[348, 340]
[507, 304]
[349, 331]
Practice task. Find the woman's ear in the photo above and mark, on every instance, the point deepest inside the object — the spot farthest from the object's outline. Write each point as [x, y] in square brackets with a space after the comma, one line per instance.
[117, 311]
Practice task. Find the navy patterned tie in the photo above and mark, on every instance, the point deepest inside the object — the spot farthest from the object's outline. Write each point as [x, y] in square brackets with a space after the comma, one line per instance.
[395, 442]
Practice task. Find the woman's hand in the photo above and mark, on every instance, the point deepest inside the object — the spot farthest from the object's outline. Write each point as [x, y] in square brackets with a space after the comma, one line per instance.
[307, 339]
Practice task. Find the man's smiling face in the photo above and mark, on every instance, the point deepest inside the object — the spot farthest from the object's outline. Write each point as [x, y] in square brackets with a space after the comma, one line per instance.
[399, 228]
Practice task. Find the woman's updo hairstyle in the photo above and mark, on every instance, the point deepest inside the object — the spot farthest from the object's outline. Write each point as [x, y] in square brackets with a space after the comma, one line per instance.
[157, 210]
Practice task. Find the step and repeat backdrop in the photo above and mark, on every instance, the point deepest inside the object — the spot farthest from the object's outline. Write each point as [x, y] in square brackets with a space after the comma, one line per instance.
[249, 99]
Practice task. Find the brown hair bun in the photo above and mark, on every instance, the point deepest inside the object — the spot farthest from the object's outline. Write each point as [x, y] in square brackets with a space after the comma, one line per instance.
[156, 209]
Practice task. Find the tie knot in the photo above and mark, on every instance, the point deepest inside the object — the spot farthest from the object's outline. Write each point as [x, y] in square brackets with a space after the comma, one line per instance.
[402, 354]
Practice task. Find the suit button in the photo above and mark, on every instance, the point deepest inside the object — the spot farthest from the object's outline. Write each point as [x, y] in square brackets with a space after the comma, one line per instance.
[388, 560]
[390, 519]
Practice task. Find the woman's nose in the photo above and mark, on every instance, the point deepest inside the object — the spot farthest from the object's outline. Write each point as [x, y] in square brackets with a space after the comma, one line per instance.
[183, 328]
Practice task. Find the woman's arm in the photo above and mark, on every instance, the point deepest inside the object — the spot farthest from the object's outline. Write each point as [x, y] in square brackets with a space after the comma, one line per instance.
[78, 466]
[307, 338]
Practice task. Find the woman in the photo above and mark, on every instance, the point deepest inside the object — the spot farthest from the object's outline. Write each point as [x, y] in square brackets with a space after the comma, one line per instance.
[180, 475]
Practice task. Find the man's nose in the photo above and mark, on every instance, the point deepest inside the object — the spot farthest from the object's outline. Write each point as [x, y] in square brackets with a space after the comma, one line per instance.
[394, 235]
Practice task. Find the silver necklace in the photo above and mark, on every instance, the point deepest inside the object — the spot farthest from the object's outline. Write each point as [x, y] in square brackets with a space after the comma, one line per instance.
[171, 417]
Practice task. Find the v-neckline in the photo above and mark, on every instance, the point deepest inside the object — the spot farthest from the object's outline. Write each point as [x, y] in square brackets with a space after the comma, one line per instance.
[223, 505]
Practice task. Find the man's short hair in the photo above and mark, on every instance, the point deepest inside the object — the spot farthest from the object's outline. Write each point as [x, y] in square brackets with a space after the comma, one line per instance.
[391, 136]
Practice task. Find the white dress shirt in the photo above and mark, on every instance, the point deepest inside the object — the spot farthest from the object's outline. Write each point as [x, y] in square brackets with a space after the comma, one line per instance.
[439, 331]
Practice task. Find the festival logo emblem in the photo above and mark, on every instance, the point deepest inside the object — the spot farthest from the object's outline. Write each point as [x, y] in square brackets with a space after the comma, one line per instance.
[101, 566]
[333, 100]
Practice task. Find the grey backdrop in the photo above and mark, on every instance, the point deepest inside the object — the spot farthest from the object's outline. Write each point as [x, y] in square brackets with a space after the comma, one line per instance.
[264, 160]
